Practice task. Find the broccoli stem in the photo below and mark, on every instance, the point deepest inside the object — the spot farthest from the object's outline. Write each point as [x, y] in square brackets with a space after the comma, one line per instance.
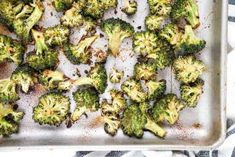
[83, 81]
[155, 128]
[40, 42]
[114, 44]
[78, 112]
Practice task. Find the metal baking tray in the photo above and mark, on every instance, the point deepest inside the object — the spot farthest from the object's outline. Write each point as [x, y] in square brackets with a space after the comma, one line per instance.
[203, 127]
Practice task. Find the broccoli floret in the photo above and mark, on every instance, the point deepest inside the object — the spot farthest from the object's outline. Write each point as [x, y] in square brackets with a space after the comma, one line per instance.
[111, 124]
[24, 77]
[160, 7]
[167, 108]
[144, 42]
[191, 93]
[101, 56]
[97, 77]
[155, 89]
[55, 80]
[80, 53]
[109, 4]
[145, 70]
[186, 10]
[52, 109]
[171, 33]
[87, 100]
[117, 30]
[154, 22]
[130, 7]
[11, 50]
[133, 89]
[89, 24]
[116, 76]
[56, 36]
[8, 91]
[61, 5]
[9, 119]
[136, 119]
[188, 69]
[94, 8]
[190, 43]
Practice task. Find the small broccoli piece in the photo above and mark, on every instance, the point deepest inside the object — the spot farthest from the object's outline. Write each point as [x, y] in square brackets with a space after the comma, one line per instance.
[133, 89]
[190, 43]
[109, 4]
[112, 124]
[94, 8]
[89, 24]
[191, 93]
[171, 33]
[87, 100]
[154, 22]
[117, 30]
[80, 53]
[11, 50]
[101, 56]
[61, 5]
[167, 108]
[9, 119]
[24, 77]
[186, 10]
[52, 109]
[116, 76]
[56, 36]
[136, 119]
[130, 7]
[144, 42]
[188, 69]
[145, 70]
[155, 89]
[160, 7]
[55, 80]
[8, 91]
[97, 77]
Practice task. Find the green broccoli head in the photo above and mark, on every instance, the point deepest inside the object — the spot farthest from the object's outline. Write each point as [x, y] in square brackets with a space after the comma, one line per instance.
[109, 4]
[171, 33]
[11, 50]
[8, 91]
[61, 5]
[130, 7]
[55, 80]
[190, 43]
[97, 77]
[52, 109]
[144, 42]
[191, 93]
[160, 7]
[145, 70]
[186, 10]
[116, 76]
[154, 22]
[167, 108]
[133, 89]
[9, 119]
[188, 69]
[155, 89]
[24, 77]
[94, 8]
[87, 100]
[111, 124]
[56, 36]
[117, 30]
[80, 53]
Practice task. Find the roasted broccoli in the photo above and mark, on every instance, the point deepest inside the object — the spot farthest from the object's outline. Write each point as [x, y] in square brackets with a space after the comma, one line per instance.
[190, 43]
[117, 30]
[56, 36]
[116, 76]
[133, 89]
[11, 50]
[111, 123]
[61, 5]
[160, 7]
[167, 108]
[154, 22]
[101, 56]
[80, 53]
[145, 70]
[136, 119]
[9, 119]
[97, 77]
[155, 89]
[8, 91]
[52, 109]
[24, 77]
[109, 4]
[144, 42]
[130, 7]
[55, 80]
[186, 10]
[191, 93]
[171, 33]
[94, 8]
[188, 68]
[87, 100]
